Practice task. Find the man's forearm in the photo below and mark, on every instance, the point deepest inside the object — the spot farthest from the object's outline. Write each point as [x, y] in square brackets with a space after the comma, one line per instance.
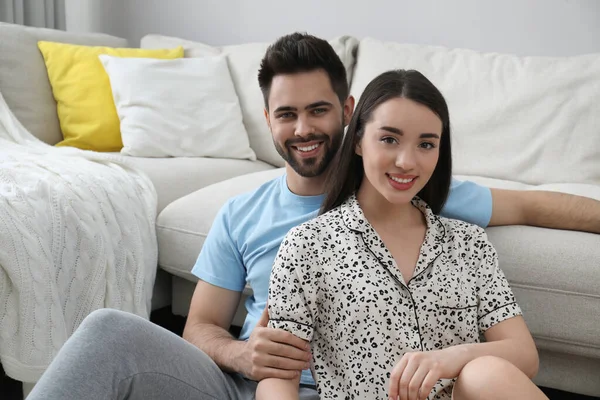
[562, 211]
[523, 357]
[217, 343]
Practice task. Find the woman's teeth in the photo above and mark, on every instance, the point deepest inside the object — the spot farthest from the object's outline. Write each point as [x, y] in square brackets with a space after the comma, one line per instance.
[402, 180]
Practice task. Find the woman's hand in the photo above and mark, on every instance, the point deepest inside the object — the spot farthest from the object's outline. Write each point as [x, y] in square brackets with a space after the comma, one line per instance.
[416, 373]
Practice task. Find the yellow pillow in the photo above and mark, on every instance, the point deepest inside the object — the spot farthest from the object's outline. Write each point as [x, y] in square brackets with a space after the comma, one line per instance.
[86, 109]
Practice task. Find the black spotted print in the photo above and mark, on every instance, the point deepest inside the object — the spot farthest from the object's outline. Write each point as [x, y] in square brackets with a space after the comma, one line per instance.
[335, 284]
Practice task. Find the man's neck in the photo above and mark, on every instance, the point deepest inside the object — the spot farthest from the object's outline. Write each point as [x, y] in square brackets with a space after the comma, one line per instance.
[302, 186]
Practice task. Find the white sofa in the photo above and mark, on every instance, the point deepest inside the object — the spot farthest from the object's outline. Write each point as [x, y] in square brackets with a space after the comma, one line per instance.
[523, 123]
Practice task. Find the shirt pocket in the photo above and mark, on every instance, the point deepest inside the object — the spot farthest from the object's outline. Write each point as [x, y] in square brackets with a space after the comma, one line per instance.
[456, 319]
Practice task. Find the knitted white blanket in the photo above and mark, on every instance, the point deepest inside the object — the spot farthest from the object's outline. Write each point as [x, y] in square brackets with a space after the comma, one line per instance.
[77, 233]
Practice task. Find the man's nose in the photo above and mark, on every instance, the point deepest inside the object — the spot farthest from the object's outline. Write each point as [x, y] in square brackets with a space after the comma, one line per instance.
[303, 127]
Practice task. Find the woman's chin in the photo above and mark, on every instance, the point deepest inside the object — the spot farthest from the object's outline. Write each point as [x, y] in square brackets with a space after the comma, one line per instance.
[399, 199]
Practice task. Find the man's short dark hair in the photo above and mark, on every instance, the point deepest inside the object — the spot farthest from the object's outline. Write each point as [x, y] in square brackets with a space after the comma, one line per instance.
[301, 52]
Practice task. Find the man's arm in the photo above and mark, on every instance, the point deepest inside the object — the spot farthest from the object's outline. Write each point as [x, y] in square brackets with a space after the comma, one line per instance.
[268, 353]
[545, 209]
[207, 326]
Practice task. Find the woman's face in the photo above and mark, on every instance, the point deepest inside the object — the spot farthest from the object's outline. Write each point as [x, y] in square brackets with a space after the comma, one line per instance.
[400, 149]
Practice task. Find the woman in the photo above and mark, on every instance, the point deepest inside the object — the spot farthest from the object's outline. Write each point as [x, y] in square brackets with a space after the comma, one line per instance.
[392, 297]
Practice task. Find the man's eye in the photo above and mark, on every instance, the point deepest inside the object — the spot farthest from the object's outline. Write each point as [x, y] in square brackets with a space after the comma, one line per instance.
[285, 115]
[319, 110]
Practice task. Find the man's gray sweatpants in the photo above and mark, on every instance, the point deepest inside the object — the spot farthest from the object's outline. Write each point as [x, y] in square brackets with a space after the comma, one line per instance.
[117, 355]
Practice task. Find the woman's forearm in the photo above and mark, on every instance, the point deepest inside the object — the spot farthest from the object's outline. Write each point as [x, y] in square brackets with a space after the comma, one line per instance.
[278, 389]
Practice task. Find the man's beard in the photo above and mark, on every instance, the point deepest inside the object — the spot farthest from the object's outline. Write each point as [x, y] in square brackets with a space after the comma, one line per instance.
[311, 167]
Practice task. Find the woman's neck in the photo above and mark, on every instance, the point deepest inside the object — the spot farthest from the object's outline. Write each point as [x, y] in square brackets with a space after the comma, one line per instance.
[381, 213]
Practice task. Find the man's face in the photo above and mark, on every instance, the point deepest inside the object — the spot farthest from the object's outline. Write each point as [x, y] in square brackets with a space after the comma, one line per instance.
[307, 121]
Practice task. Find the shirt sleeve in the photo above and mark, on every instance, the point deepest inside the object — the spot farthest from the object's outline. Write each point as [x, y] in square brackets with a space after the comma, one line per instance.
[220, 262]
[496, 299]
[293, 287]
[469, 202]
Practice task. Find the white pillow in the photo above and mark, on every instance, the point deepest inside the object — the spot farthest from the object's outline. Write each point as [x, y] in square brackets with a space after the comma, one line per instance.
[184, 107]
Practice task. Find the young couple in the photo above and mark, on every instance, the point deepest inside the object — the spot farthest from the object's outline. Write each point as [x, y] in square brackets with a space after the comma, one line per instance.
[382, 295]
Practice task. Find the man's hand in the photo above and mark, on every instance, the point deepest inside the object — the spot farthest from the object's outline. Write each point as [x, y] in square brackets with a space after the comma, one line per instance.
[273, 353]
[416, 373]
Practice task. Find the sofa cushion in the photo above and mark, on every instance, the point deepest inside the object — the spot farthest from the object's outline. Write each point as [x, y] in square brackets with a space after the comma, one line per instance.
[528, 119]
[24, 80]
[553, 272]
[174, 178]
[183, 225]
[244, 62]
[555, 277]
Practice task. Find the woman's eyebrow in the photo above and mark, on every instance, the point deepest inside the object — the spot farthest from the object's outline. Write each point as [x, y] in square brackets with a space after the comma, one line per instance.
[397, 131]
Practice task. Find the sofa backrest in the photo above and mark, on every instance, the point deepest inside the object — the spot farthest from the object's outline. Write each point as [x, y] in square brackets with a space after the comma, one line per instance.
[244, 61]
[534, 120]
[23, 78]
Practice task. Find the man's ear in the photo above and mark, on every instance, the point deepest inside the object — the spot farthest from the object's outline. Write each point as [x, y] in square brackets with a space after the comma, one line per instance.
[348, 110]
[267, 118]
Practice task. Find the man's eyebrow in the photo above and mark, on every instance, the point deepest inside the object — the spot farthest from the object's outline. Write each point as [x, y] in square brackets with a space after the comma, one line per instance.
[285, 108]
[399, 132]
[317, 104]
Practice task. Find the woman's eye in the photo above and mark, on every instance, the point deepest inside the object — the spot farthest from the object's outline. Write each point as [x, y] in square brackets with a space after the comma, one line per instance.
[427, 145]
[389, 140]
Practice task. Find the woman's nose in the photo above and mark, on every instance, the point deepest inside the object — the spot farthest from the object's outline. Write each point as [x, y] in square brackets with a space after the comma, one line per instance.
[405, 160]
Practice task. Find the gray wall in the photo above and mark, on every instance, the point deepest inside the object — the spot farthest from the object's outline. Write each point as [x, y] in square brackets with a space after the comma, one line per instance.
[525, 27]
[106, 16]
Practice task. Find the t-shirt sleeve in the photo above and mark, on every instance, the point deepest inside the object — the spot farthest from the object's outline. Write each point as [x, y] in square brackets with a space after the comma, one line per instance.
[293, 287]
[496, 299]
[469, 202]
[220, 262]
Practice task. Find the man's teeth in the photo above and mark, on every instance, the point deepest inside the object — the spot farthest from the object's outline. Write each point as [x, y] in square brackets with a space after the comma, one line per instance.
[309, 148]
[402, 180]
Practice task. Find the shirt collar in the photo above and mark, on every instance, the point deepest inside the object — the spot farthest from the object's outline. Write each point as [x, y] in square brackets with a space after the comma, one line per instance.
[355, 219]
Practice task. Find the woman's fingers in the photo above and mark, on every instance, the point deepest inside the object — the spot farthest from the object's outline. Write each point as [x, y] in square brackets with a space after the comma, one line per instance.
[428, 383]
[416, 382]
[394, 390]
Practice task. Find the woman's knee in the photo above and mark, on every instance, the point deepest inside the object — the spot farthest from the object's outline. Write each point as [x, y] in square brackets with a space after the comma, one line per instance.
[482, 375]
[494, 378]
[488, 365]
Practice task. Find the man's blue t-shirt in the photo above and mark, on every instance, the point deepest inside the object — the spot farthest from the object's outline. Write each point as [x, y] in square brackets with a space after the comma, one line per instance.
[244, 238]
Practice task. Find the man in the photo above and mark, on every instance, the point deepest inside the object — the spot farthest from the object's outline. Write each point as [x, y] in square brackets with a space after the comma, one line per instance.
[118, 355]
